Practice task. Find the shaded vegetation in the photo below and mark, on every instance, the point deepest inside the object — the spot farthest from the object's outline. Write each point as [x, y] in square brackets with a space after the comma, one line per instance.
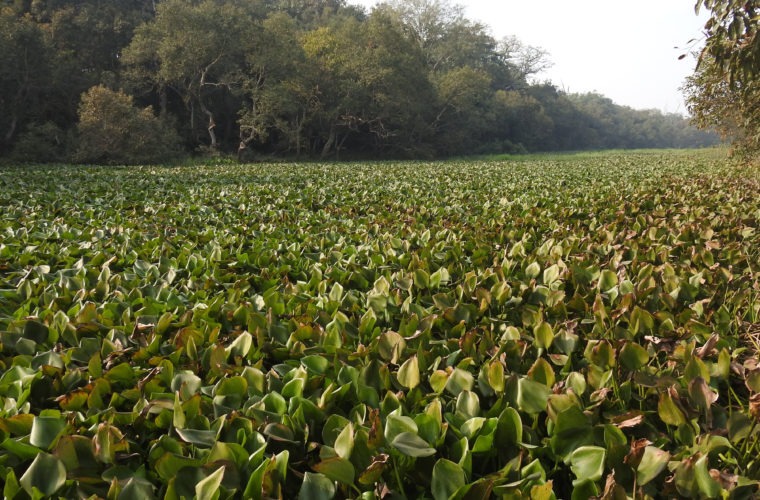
[264, 78]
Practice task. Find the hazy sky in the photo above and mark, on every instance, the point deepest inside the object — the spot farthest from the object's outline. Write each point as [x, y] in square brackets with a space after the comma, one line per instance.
[627, 51]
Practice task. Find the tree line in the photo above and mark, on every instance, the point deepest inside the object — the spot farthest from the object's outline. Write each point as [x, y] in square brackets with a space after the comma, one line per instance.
[110, 81]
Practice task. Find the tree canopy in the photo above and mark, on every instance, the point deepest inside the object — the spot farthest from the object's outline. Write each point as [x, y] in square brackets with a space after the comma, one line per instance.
[724, 92]
[318, 78]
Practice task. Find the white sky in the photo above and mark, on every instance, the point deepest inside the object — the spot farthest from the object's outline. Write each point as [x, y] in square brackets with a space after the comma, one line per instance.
[627, 51]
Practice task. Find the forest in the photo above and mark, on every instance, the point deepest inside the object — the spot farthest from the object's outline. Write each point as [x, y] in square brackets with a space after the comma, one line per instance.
[108, 81]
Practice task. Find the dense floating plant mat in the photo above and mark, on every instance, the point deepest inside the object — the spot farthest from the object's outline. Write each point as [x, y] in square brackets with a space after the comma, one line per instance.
[556, 327]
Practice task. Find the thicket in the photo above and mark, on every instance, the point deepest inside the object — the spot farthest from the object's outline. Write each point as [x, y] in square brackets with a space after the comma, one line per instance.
[298, 78]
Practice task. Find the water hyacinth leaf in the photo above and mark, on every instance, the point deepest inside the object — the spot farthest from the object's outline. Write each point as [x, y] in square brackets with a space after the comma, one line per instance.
[544, 335]
[20, 449]
[36, 332]
[390, 346]
[495, 376]
[336, 293]
[542, 372]
[397, 424]
[241, 345]
[468, 405]
[187, 384]
[438, 381]
[653, 462]
[708, 486]
[412, 445]
[409, 373]
[137, 488]
[344, 443]
[315, 364]
[332, 428]
[45, 430]
[509, 430]
[204, 439]
[316, 486]
[668, 411]
[633, 356]
[12, 486]
[551, 274]
[428, 427]
[533, 270]
[337, 469]
[447, 478]
[571, 431]
[46, 473]
[532, 396]
[459, 380]
[587, 462]
[178, 417]
[208, 488]
[607, 280]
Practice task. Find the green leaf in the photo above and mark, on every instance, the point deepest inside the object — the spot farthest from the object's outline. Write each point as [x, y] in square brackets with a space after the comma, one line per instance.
[459, 380]
[571, 431]
[136, 488]
[607, 280]
[208, 489]
[336, 293]
[551, 274]
[344, 443]
[532, 396]
[337, 469]
[397, 424]
[204, 439]
[316, 487]
[509, 430]
[45, 430]
[36, 331]
[653, 462]
[495, 376]
[533, 270]
[390, 346]
[544, 335]
[241, 345]
[542, 372]
[633, 356]
[668, 411]
[315, 364]
[707, 485]
[12, 486]
[447, 478]
[412, 445]
[46, 473]
[468, 405]
[587, 463]
[409, 373]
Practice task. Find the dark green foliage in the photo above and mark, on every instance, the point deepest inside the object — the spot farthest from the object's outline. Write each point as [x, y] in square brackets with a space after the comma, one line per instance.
[42, 143]
[305, 78]
[724, 93]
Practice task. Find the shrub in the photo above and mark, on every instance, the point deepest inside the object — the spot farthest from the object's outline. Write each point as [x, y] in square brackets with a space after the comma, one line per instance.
[113, 131]
[41, 143]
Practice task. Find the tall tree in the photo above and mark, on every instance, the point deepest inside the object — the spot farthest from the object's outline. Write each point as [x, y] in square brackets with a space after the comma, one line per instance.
[193, 49]
[25, 77]
[725, 90]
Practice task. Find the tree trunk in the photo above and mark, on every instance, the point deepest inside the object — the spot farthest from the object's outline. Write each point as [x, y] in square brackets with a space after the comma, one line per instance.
[211, 125]
[329, 144]
[11, 130]
[163, 102]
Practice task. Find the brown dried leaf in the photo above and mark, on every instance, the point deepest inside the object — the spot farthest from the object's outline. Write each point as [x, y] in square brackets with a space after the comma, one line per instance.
[633, 458]
[628, 420]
